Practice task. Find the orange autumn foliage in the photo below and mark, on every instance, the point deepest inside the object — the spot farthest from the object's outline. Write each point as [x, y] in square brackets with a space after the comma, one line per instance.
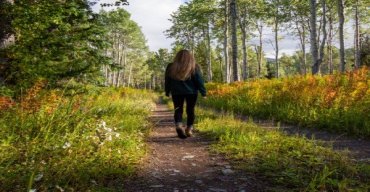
[6, 103]
[30, 102]
[339, 101]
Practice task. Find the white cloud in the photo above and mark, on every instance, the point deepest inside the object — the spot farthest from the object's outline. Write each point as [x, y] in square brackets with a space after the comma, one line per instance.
[152, 16]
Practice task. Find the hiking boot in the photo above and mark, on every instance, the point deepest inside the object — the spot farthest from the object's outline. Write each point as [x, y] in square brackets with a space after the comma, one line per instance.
[189, 131]
[180, 132]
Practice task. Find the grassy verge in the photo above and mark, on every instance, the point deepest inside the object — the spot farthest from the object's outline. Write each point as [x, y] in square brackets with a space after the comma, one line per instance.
[339, 102]
[285, 163]
[76, 143]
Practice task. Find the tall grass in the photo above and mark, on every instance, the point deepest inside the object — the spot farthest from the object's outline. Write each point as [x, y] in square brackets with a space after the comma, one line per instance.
[338, 102]
[283, 163]
[83, 142]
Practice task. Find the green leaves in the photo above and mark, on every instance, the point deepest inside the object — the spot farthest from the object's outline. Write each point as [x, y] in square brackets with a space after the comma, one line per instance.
[54, 40]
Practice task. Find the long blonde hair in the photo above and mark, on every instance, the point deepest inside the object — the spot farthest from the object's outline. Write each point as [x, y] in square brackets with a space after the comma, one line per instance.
[183, 65]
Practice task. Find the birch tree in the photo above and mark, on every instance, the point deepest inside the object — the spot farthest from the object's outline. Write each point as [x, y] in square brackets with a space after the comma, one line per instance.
[247, 10]
[342, 64]
[323, 41]
[234, 41]
[127, 49]
[226, 42]
[300, 21]
[313, 37]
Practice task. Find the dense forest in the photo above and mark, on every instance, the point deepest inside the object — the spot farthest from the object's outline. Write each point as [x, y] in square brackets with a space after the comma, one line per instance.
[76, 96]
[56, 41]
[220, 33]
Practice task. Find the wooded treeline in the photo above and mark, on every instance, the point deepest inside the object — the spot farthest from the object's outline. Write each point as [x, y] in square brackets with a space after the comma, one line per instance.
[229, 37]
[60, 40]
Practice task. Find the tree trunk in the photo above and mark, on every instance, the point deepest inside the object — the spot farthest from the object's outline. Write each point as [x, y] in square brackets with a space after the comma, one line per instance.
[150, 83]
[119, 53]
[226, 43]
[105, 70]
[188, 40]
[209, 56]
[357, 38]
[330, 43]
[323, 32]
[245, 55]
[121, 71]
[304, 52]
[276, 45]
[118, 83]
[341, 35]
[145, 82]
[260, 30]
[313, 36]
[130, 75]
[114, 78]
[234, 40]
[243, 27]
[124, 63]
[111, 77]
[302, 39]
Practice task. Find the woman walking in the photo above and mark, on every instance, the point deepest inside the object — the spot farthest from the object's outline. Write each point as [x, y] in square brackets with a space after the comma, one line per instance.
[183, 80]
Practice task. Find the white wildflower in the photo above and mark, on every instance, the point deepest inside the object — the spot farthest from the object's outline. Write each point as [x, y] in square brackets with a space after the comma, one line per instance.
[39, 177]
[109, 138]
[66, 145]
[102, 124]
[117, 135]
[108, 129]
[60, 189]
[94, 182]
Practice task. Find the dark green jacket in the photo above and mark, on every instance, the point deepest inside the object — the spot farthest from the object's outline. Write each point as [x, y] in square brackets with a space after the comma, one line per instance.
[190, 86]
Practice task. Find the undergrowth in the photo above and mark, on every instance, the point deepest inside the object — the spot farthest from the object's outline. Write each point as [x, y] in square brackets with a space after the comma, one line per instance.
[337, 103]
[53, 142]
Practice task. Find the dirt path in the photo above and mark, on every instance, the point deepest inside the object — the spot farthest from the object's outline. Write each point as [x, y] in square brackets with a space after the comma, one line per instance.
[178, 165]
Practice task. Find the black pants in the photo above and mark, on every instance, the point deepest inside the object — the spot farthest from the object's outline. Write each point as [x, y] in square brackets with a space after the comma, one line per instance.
[178, 103]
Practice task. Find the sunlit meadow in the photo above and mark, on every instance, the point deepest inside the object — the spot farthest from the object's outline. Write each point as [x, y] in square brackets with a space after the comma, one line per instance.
[339, 102]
